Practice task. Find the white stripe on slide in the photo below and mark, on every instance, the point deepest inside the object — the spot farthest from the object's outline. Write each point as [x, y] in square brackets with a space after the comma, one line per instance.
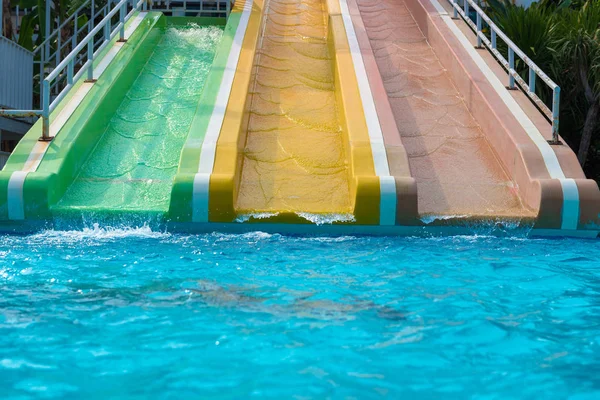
[387, 185]
[570, 208]
[16, 206]
[209, 146]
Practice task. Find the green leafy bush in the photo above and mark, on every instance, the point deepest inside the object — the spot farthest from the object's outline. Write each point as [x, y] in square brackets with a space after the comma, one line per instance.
[563, 38]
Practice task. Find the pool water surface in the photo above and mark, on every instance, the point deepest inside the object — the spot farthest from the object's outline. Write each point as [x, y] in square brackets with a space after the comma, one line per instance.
[106, 313]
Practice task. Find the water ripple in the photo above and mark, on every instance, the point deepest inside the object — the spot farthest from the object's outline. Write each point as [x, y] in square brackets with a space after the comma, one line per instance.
[409, 317]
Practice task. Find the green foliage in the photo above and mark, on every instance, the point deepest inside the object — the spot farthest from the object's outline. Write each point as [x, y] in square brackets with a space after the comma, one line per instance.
[36, 18]
[578, 38]
[81, 21]
[28, 24]
[563, 38]
[26, 3]
[533, 27]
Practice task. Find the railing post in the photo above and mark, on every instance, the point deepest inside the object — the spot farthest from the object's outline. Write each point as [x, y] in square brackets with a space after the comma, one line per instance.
[531, 80]
[493, 39]
[41, 77]
[90, 51]
[122, 22]
[58, 46]
[107, 31]
[555, 115]
[479, 31]
[74, 39]
[466, 8]
[46, 112]
[47, 27]
[511, 68]
[70, 70]
[454, 9]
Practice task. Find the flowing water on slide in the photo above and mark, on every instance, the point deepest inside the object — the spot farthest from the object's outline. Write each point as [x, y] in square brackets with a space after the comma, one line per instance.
[135, 161]
[294, 159]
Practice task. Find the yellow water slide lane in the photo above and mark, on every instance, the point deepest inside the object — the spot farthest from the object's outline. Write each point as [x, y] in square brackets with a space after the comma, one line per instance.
[296, 143]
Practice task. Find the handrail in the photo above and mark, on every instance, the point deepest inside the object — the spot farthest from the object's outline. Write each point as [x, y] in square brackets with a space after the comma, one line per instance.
[68, 63]
[47, 60]
[513, 76]
[90, 36]
[182, 5]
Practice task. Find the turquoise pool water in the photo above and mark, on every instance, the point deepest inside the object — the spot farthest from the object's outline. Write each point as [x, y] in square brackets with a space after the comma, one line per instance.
[104, 313]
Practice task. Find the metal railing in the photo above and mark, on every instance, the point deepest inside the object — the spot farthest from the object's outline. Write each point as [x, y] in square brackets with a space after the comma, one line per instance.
[48, 54]
[80, 59]
[17, 9]
[204, 7]
[66, 68]
[87, 44]
[513, 76]
[43, 49]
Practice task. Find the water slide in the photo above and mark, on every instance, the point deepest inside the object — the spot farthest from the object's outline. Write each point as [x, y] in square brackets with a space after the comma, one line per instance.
[456, 169]
[478, 152]
[372, 116]
[118, 140]
[133, 164]
[294, 159]
[293, 144]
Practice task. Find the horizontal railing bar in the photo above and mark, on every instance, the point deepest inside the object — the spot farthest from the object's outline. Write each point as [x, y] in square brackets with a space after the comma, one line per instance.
[20, 113]
[520, 81]
[534, 70]
[506, 40]
[60, 96]
[85, 40]
[64, 71]
[82, 70]
[81, 46]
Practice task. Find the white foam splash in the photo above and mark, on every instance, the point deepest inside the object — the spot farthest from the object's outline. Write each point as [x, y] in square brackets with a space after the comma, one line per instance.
[194, 36]
[18, 364]
[96, 232]
[327, 239]
[251, 236]
[428, 219]
[246, 217]
[326, 219]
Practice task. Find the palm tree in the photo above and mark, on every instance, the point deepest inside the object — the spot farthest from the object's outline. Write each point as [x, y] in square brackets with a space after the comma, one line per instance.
[578, 44]
[563, 38]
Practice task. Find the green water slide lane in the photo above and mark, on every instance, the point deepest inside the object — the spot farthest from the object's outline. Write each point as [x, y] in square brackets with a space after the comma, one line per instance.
[122, 147]
[181, 195]
[73, 143]
[133, 165]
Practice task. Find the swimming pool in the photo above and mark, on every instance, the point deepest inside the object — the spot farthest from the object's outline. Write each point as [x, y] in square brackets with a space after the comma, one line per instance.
[101, 313]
